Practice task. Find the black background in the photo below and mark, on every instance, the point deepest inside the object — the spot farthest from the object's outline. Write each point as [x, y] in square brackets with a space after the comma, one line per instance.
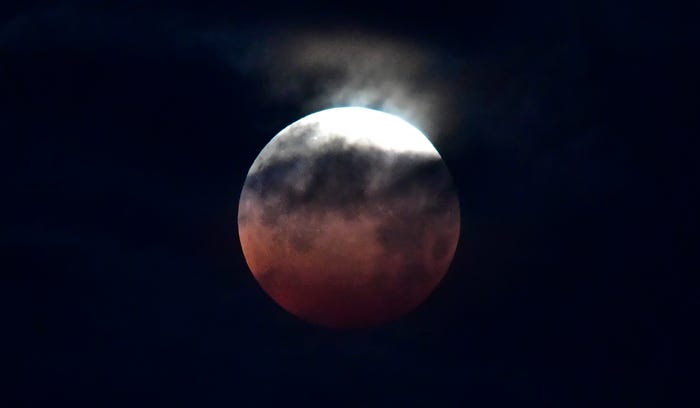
[126, 140]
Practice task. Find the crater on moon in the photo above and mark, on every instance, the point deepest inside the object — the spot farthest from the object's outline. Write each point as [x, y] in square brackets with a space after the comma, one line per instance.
[348, 218]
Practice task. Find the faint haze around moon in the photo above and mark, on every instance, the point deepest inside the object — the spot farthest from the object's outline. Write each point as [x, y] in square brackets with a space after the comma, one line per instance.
[348, 218]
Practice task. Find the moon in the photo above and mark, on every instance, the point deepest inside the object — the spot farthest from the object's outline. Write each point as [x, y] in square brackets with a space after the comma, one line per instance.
[348, 218]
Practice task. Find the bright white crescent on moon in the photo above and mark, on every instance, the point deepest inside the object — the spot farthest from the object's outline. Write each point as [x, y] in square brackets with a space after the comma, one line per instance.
[348, 217]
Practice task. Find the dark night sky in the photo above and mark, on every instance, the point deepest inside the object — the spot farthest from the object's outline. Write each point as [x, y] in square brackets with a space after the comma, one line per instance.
[127, 129]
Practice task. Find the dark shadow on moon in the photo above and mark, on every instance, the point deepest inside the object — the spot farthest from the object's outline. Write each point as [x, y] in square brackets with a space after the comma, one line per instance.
[295, 176]
[337, 179]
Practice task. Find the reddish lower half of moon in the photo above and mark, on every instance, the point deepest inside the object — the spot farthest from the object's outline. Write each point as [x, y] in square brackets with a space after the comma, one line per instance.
[346, 273]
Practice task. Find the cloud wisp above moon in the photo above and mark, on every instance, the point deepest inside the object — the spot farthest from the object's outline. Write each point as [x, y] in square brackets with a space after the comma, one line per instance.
[317, 69]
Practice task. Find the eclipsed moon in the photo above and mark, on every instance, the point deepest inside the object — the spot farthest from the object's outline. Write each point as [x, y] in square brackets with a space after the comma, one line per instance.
[348, 218]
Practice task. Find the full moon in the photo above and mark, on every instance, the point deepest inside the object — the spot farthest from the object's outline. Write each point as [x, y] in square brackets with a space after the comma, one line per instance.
[348, 218]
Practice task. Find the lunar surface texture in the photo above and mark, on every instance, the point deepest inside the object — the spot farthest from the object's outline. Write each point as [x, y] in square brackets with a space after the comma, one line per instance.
[348, 218]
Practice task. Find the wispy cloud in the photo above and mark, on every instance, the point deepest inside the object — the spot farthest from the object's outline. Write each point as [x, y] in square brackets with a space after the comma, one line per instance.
[319, 70]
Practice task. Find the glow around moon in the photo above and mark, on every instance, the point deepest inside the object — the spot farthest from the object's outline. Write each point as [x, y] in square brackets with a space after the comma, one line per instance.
[348, 218]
